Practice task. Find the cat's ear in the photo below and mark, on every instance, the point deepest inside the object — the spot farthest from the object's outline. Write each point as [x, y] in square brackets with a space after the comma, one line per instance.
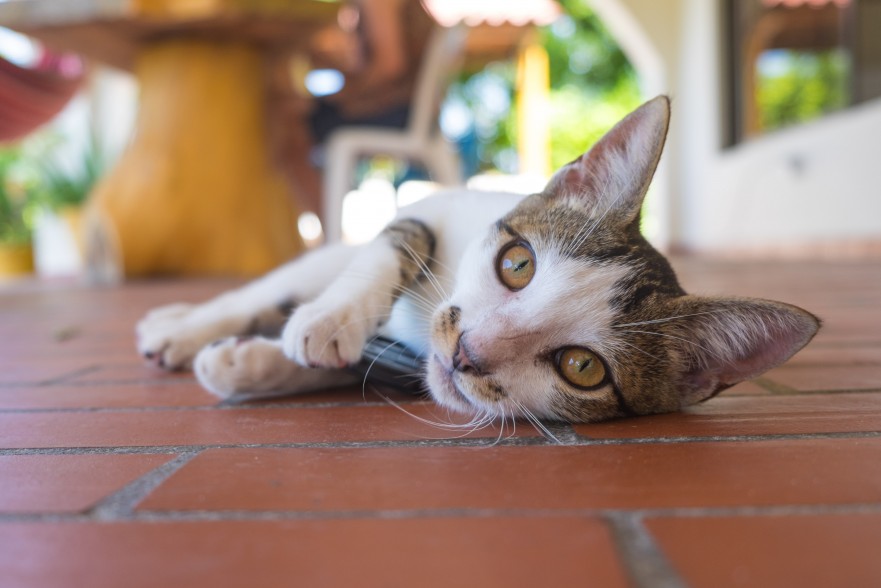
[723, 341]
[613, 177]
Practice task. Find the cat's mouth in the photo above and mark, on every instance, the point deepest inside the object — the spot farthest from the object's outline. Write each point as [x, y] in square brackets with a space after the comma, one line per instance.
[442, 383]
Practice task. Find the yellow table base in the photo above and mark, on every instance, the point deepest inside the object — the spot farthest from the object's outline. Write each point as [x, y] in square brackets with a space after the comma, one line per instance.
[194, 193]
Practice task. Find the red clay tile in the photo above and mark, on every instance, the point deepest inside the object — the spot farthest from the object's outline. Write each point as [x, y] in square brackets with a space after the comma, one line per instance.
[67, 483]
[45, 370]
[144, 394]
[808, 378]
[602, 476]
[748, 388]
[154, 394]
[726, 416]
[836, 355]
[132, 371]
[805, 551]
[332, 553]
[227, 426]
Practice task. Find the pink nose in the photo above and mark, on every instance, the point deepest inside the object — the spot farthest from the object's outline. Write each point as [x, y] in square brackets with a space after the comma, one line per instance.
[462, 358]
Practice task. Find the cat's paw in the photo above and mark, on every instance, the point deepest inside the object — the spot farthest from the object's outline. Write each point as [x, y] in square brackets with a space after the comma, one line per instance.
[171, 336]
[242, 368]
[245, 366]
[329, 335]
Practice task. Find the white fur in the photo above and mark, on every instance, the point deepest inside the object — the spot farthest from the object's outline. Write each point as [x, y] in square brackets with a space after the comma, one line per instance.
[258, 366]
[344, 295]
[565, 304]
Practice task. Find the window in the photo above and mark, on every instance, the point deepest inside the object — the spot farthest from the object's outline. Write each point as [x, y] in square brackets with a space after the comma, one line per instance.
[795, 60]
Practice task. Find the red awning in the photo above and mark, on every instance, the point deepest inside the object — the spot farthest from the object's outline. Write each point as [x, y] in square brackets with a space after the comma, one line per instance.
[494, 12]
[30, 97]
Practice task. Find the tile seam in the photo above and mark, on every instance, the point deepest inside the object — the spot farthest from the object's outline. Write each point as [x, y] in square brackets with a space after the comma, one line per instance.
[453, 442]
[623, 517]
[344, 404]
[203, 407]
[640, 555]
[124, 501]
[586, 441]
[150, 449]
[72, 374]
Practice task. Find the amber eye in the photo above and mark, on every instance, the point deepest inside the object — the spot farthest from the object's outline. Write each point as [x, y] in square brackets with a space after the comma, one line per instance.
[516, 265]
[580, 367]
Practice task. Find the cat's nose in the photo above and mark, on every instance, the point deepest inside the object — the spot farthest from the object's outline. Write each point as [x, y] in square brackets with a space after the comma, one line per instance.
[463, 359]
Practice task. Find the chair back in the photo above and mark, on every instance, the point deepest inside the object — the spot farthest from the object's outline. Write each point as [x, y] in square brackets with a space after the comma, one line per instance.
[442, 59]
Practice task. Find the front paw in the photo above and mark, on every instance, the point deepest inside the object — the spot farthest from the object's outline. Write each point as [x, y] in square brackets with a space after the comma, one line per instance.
[330, 336]
[171, 336]
[244, 366]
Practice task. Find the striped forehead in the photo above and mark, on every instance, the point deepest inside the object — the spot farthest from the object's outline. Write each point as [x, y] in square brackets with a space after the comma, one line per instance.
[571, 231]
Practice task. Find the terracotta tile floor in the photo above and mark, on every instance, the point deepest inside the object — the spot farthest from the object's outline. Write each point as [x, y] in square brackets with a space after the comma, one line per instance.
[113, 474]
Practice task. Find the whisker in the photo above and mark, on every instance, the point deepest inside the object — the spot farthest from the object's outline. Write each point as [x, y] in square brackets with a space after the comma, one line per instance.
[638, 348]
[711, 352]
[536, 422]
[432, 279]
[472, 426]
[668, 319]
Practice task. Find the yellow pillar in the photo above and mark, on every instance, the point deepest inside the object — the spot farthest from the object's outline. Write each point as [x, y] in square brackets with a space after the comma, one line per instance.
[533, 108]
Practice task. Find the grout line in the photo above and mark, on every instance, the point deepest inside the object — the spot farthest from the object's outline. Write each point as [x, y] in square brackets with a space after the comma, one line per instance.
[833, 392]
[627, 525]
[73, 374]
[62, 380]
[208, 407]
[774, 387]
[641, 556]
[586, 440]
[561, 434]
[154, 449]
[426, 443]
[123, 502]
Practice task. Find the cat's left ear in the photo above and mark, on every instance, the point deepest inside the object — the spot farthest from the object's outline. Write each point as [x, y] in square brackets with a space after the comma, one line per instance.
[613, 177]
[723, 341]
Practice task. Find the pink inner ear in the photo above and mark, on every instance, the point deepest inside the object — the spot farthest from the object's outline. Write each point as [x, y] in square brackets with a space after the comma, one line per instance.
[773, 337]
[575, 173]
[615, 173]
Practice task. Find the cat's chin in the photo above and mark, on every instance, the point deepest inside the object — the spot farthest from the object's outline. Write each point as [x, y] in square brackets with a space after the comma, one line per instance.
[444, 390]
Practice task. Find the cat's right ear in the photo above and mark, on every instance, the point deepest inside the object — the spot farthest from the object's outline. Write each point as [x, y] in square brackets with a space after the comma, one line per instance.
[613, 177]
[722, 341]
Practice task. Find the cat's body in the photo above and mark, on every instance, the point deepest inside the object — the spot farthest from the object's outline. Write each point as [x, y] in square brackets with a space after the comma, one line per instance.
[550, 305]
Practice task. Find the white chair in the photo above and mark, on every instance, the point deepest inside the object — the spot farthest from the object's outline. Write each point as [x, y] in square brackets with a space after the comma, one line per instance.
[421, 140]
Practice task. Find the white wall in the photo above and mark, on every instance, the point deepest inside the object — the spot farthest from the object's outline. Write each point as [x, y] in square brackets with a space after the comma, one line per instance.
[819, 182]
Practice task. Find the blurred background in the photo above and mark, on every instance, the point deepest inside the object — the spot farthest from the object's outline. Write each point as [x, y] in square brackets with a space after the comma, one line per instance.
[130, 141]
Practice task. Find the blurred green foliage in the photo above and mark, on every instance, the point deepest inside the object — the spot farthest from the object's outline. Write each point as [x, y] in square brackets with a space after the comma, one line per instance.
[17, 188]
[799, 86]
[592, 86]
[32, 177]
[63, 186]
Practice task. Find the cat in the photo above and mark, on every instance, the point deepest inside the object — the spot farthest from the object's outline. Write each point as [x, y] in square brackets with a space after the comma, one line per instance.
[551, 305]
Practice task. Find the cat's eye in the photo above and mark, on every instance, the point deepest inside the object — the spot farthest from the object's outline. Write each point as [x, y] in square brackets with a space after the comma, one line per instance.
[580, 367]
[516, 265]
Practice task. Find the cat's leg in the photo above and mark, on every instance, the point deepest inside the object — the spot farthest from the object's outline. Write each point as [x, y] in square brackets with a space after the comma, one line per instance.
[172, 335]
[242, 368]
[331, 331]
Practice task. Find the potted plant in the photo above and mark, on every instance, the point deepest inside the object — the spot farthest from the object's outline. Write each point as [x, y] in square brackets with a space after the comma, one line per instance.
[16, 204]
[62, 188]
[66, 187]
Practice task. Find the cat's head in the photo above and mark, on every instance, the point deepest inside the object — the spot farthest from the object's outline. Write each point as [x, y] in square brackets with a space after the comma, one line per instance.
[564, 310]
